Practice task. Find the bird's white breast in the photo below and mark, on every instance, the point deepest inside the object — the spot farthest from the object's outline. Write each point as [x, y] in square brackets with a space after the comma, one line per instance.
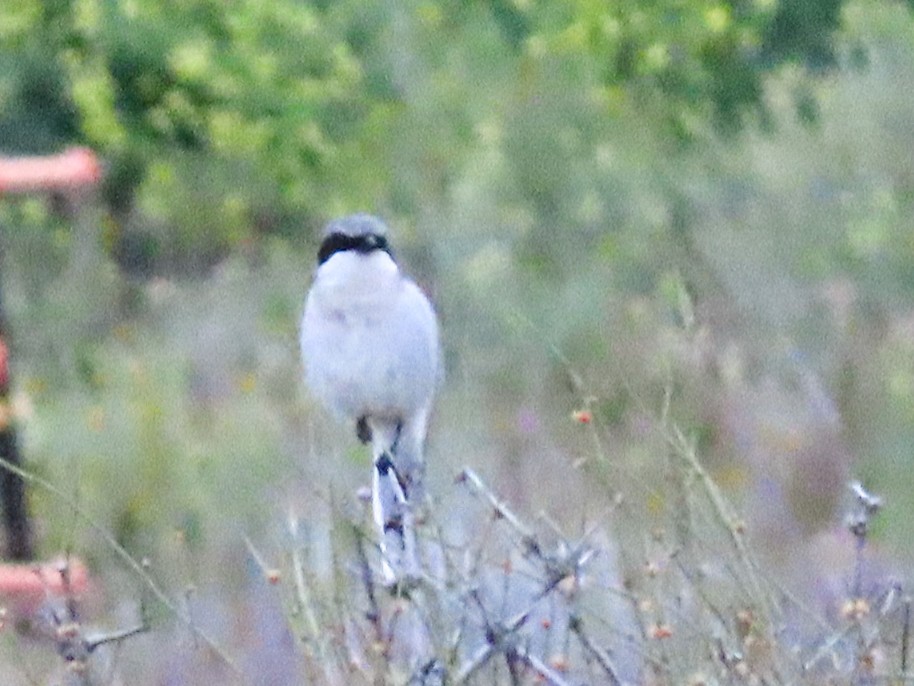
[369, 338]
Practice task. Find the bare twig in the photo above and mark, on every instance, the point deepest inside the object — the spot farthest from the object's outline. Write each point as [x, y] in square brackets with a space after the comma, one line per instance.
[905, 635]
[686, 450]
[600, 655]
[131, 563]
[367, 577]
[550, 675]
[866, 507]
[74, 645]
[497, 637]
[827, 646]
[477, 486]
[303, 598]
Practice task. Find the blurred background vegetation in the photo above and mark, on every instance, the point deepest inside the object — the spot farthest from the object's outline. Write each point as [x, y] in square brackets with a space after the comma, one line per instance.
[609, 204]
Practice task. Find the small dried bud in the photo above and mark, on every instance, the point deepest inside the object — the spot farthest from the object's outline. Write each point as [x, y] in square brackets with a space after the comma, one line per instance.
[744, 622]
[582, 416]
[559, 663]
[247, 383]
[855, 609]
[95, 418]
[68, 630]
[568, 586]
[78, 667]
[660, 631]
[873, 660]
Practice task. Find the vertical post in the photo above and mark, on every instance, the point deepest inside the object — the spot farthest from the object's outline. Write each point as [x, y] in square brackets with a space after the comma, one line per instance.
[12, 488]
[68, 172]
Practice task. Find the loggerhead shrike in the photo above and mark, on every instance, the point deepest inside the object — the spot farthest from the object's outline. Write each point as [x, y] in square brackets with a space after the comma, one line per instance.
[369, 342]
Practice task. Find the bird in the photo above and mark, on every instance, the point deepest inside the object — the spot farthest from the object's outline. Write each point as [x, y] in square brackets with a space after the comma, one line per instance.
[371, 355]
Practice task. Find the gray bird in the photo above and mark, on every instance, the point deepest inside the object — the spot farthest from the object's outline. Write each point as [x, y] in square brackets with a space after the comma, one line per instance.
[369, 342]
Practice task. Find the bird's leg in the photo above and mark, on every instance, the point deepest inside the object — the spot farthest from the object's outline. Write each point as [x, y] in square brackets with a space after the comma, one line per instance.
[393, 515]
[394, 447]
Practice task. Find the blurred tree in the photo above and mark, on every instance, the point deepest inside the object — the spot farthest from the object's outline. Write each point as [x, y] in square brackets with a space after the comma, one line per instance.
[223, 120]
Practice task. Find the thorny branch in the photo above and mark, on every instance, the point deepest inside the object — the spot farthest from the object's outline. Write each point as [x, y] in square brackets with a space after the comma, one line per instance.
[603, 659]
[136, 566]
[74, 644]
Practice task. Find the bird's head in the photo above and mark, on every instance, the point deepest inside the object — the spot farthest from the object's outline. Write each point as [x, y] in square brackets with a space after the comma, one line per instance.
[362, 233]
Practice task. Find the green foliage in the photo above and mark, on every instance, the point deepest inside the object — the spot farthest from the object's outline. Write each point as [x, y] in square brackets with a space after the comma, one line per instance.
[295, 110]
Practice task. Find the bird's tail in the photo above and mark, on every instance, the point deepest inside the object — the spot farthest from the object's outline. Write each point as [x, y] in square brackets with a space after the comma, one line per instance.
[396, 483]
[408, 446]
